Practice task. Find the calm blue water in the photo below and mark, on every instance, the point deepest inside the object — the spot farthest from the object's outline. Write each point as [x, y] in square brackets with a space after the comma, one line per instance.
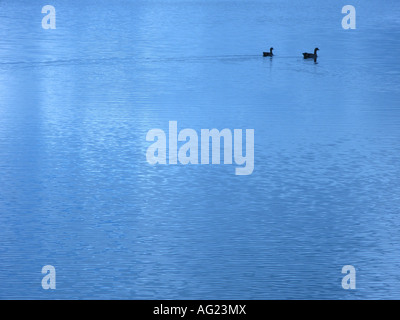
[76, 191]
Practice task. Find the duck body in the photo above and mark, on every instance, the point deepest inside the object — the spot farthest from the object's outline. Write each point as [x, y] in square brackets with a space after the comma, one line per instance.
[311, 55]
[268, 54]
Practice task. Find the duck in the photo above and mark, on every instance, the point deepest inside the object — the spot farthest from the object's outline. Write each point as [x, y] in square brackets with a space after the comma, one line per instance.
[310, 55]
[268, 54]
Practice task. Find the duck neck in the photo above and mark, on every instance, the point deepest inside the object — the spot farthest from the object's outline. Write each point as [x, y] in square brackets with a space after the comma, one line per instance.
[315, 51]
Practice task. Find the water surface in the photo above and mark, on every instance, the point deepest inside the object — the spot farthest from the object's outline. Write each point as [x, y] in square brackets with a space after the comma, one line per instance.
[76, 191]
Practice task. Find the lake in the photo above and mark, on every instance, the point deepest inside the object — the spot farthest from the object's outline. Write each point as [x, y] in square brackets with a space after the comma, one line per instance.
[76, 190]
